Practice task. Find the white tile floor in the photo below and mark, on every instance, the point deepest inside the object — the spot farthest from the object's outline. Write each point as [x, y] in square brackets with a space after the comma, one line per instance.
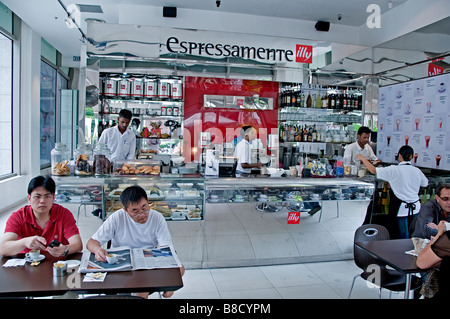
[324, 280]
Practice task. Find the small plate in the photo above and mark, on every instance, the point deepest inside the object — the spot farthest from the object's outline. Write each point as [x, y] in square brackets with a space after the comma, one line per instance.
[72, 263]
[41, 257]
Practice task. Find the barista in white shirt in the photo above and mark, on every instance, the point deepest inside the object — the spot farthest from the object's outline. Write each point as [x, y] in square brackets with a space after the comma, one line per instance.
[243, 152]
[405, 181]
[361, 146]
[120, 140]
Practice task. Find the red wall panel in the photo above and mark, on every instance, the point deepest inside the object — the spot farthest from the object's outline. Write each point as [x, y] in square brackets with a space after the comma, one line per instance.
[224, 124]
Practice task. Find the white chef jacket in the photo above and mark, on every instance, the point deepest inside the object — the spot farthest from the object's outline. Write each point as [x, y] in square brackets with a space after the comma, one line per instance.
[405, 181]
[122, 146]
[243, 155]
[122, 230]
[354, 149]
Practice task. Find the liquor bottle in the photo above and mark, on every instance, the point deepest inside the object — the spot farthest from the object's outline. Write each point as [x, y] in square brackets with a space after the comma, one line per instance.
[293, 97]
[308, 100]
[310, 139]
[325, 101]
[344, 101]
[338, 101]
[318, 101]
[332, 101]
[356, 102]
[305, 134]
[314, 134]
[302, 99]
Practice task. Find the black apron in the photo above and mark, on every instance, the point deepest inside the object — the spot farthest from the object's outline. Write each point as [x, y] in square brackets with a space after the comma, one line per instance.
[394, 206]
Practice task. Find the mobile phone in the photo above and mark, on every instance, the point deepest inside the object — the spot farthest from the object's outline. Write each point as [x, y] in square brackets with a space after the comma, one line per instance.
[54, 243]
[447, 226]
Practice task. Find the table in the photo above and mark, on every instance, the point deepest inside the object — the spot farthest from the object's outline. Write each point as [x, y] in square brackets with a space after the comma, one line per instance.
[29, 281]
[392, 252]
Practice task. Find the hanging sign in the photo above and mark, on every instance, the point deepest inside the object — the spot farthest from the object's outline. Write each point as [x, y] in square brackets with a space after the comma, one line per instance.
[434, 69]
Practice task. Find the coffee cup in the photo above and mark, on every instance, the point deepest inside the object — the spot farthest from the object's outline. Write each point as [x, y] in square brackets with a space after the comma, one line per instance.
[111, 258]
[33, 254]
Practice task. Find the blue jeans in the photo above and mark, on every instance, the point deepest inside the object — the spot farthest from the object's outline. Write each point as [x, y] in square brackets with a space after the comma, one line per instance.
[403, 227]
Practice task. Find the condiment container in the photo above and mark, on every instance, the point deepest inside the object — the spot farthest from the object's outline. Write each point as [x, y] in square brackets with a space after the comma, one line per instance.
[59, 268]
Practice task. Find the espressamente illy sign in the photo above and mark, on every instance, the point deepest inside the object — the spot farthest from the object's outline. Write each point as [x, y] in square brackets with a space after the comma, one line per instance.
[146, 41]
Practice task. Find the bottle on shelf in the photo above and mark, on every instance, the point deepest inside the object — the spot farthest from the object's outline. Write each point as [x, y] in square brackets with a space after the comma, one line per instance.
[318, 100]
[325, 100]
[309, 100]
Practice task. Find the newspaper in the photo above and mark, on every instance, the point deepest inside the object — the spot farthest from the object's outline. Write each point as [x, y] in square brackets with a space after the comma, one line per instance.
[131, 259]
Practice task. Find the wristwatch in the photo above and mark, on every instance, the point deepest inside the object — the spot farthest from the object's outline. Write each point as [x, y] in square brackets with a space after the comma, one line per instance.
[65, 251]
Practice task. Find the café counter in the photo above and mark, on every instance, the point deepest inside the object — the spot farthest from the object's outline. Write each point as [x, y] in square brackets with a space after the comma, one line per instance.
[221, 222]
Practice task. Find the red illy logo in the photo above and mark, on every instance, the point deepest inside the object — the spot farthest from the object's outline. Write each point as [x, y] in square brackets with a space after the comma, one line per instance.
[303, 53]
[294, 218]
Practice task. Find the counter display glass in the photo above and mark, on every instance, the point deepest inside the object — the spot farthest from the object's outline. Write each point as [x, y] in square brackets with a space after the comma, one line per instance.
[285, 190]
[176, 198]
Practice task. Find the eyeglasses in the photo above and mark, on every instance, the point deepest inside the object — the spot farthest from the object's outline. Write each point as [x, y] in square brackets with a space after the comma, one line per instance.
[444, 199]
[142, 212]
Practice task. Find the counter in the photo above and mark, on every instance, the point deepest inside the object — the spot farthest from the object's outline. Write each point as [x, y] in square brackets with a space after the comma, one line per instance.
[242, 230]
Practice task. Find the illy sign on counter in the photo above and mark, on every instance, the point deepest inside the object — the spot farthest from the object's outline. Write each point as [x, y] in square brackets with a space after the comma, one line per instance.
[294, 218]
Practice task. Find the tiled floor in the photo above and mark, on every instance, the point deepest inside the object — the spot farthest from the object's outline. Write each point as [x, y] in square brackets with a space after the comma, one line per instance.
[324, 280]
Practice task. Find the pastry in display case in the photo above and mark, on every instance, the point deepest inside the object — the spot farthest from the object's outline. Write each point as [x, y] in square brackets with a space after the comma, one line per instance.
[136, 167]
[177, 199]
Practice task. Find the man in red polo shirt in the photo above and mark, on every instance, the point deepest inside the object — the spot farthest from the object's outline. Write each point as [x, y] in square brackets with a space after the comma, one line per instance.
[36, 225]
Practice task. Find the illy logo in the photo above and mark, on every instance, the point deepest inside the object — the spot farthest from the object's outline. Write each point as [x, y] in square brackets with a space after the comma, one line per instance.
[303, 53]
[294, 218]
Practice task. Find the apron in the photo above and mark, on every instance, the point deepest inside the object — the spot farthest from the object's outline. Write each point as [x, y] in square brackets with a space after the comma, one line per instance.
[394, 206]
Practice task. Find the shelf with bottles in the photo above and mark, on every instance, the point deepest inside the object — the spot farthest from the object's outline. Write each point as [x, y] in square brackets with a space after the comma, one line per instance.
[298, 96]
[293, 131]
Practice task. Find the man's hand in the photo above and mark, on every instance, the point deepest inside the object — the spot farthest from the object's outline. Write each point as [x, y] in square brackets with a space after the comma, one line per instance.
[57, 251]
[100, 255]
[35, 242]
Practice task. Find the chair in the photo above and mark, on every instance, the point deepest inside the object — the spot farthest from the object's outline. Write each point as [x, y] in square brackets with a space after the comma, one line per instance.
[390, 279]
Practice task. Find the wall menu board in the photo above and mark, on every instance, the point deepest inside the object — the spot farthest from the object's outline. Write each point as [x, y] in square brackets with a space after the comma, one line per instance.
[416, 113]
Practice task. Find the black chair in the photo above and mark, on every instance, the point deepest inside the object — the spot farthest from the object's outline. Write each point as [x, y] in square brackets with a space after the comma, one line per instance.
[389, 279]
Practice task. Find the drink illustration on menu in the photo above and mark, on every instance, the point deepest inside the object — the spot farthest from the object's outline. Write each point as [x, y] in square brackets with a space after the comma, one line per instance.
[416, 113]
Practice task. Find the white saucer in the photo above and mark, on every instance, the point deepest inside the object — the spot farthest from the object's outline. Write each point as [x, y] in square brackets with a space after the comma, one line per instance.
[41, 257]
[72, 263]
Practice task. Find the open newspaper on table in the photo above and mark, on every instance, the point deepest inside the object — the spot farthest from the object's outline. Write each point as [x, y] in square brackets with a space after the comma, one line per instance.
[132, 259]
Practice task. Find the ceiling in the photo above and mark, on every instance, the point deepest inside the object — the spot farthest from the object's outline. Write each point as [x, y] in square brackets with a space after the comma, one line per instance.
[414, 25]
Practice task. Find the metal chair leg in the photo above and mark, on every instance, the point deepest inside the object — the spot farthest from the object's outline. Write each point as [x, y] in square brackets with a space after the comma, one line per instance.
[353, 283]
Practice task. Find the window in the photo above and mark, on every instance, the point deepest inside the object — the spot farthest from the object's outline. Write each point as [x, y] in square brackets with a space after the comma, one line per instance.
[48, 112]
[52, 82]
[6, 124]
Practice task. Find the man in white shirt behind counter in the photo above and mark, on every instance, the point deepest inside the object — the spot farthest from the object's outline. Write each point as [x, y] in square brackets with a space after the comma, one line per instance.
[120, 140]
[361, 146]
[243, 152]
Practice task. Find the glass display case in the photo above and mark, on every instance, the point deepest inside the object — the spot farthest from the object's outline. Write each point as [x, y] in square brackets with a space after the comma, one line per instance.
[176, 198]
[289, 190]
[78, 190]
